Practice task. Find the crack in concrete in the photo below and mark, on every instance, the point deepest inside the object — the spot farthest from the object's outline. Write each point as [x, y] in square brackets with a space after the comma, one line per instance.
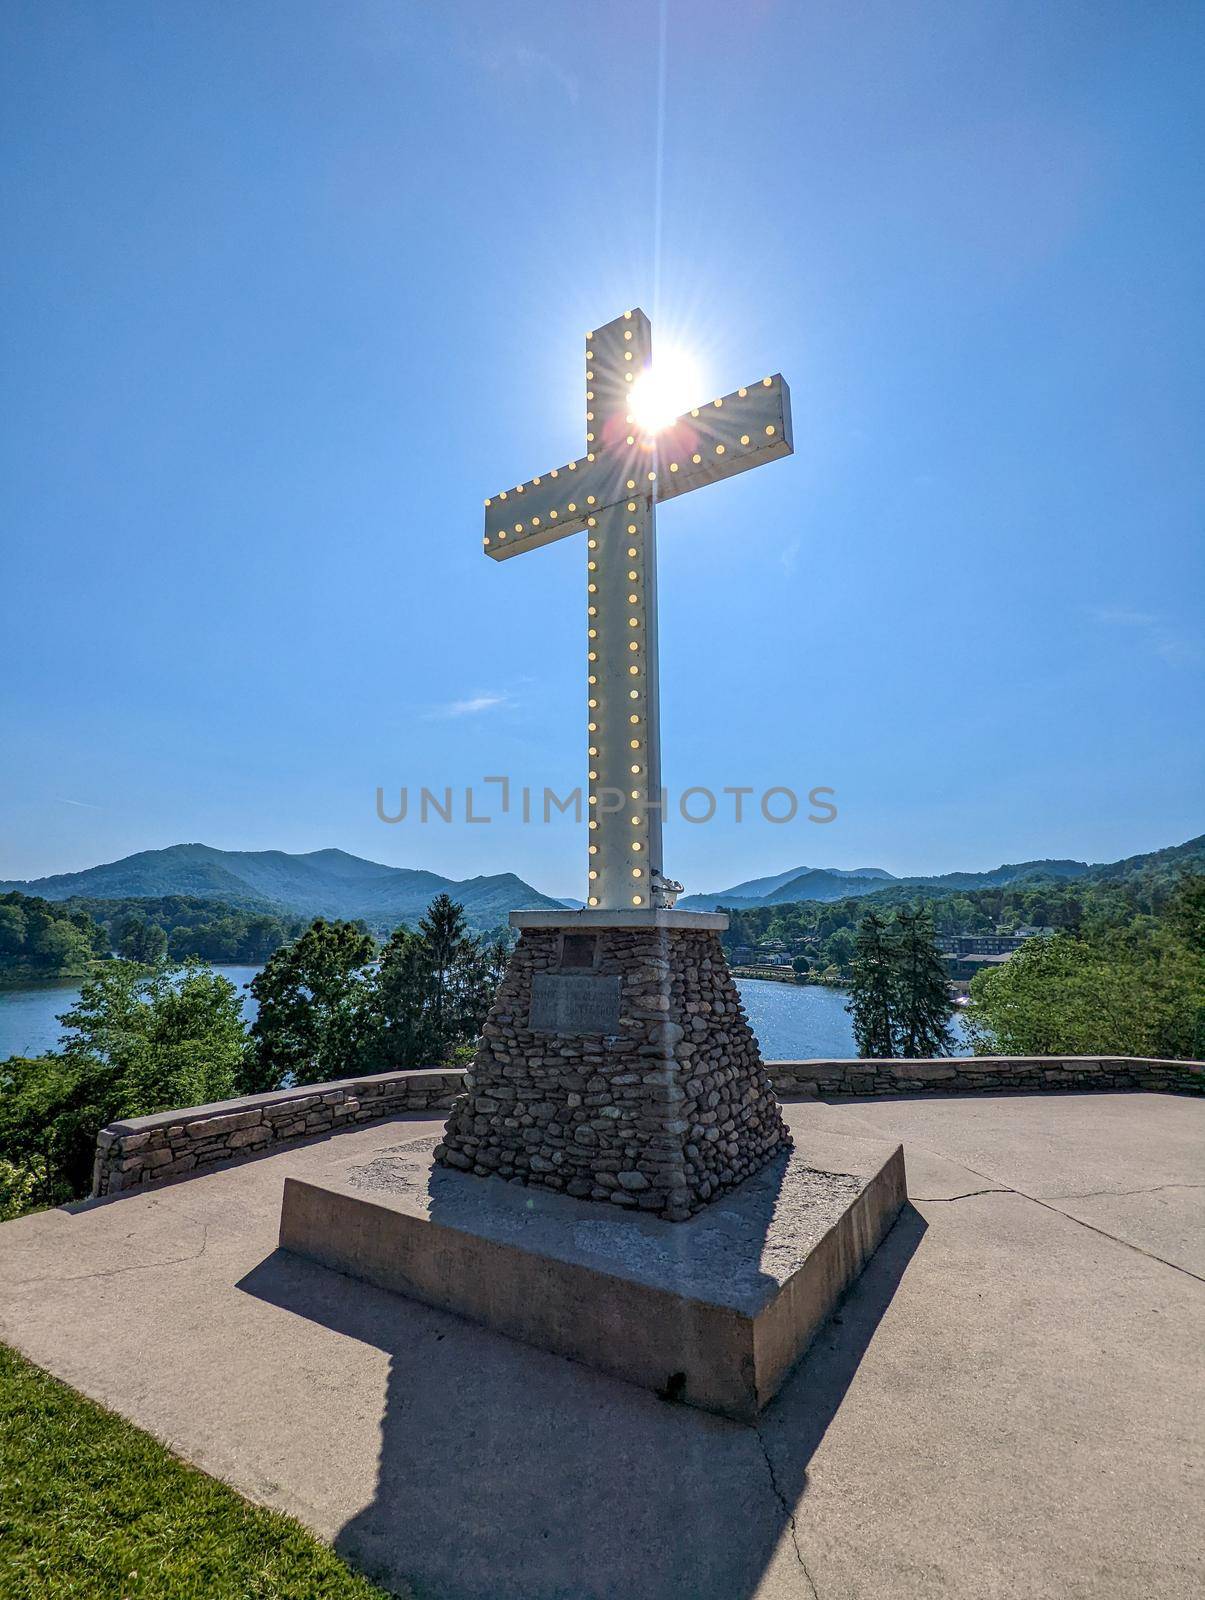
[945, 1199]
[788, 1511]
[1104, 1233]
[1116, 1238]
[1093, 1194]
[873, 1130]
[117, 1272]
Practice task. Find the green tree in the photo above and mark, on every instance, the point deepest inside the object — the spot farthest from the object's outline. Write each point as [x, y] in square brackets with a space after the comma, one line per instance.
[12, 932]
[261, 936]
[1185, 913]
[431, 992]
[50, 1114]
[42, 939]
[141, 941]
[839, 950]
[20, 1190]
[460, 988]
[921, 1003]
[133, 1043]
[400, 1029]
[170, 1038]
[1121, 987]
[872, 988]
[312, 996]
[58, 947]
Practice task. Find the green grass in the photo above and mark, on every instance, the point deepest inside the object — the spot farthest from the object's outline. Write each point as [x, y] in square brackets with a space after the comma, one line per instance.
[93, 1508]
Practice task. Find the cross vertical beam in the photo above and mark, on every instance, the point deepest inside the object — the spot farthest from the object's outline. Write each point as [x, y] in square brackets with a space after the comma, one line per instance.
[622, 701]
[624, 774]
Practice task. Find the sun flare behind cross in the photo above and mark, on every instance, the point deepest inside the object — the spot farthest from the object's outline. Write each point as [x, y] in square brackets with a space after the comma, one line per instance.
[665, 390]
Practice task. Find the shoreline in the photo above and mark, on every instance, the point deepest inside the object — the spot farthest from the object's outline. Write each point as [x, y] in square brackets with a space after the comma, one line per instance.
[786, 975]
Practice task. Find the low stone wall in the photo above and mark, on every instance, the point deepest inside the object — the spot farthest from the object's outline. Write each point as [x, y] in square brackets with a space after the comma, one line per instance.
[172, 1144]
[962, 1074]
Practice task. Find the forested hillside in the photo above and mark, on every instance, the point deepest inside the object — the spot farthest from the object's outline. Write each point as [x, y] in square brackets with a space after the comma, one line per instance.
[320, 883]
[47, 939]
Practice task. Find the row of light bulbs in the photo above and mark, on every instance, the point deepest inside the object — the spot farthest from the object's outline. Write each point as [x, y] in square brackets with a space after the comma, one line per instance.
[633, 694]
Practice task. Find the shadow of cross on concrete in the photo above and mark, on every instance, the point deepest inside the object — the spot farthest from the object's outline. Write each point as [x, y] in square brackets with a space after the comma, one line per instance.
[611, 494]
[507, 1473]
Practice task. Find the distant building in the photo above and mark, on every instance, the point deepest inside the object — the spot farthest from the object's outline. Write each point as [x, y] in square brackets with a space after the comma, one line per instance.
[962, 968]
[752, 955]
[981, 944]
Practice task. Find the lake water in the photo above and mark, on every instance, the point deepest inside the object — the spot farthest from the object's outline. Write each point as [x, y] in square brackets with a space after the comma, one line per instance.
[29, 1017]
[792, 1023]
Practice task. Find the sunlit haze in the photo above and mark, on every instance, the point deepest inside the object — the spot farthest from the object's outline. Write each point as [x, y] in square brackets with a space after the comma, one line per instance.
[667, 388]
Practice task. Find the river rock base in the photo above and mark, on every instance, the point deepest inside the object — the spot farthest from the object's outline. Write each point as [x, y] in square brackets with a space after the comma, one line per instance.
[617, 1065]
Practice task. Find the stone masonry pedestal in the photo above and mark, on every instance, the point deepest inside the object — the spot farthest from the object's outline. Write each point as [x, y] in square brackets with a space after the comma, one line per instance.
[617, 1065]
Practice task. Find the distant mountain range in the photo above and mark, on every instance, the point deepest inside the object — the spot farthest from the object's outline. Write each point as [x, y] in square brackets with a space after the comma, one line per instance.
[839, 883]
[324, 883]
[332, 883]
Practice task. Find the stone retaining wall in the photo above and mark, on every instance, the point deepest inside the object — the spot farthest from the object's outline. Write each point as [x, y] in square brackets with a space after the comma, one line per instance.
[173, 1144]
[960, 1074]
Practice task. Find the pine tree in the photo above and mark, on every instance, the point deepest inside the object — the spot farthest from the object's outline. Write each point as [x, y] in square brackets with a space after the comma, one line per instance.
[431, 993]
[399, 1031]
[873, 987]
[921, 1004]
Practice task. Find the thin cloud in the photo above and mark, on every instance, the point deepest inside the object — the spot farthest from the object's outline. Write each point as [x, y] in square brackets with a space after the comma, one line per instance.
[471, 707]
[1152, 630]
[527, 66]
[87, 804]
[1179, 652]
[1118, 617]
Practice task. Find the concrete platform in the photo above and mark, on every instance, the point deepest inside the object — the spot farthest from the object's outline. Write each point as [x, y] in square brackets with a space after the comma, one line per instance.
[1008, 1404]
[714, 1312]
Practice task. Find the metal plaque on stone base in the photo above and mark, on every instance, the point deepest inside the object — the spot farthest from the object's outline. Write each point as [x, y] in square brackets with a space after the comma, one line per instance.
[574, 1003]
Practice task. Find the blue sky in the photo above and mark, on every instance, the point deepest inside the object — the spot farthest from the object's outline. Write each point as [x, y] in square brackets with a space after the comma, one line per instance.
[292, 286]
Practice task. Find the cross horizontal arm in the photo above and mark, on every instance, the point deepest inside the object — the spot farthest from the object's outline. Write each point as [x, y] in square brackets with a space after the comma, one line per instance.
[724, 437]
[714, 441]
[543, 509]
[564, 501]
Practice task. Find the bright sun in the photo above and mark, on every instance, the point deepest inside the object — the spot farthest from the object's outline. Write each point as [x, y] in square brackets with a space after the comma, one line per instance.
[665, 390]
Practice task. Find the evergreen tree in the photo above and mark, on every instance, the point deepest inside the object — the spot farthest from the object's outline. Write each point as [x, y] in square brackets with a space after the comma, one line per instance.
[921, 1003]
[400, 1031]
[873, 987]
[431, 992]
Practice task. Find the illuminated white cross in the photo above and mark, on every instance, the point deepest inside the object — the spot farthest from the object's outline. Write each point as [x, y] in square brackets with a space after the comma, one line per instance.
[611, 493]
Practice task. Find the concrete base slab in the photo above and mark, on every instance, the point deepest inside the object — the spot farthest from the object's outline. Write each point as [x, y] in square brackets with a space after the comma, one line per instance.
[1004, 1409]
[714, 1312]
